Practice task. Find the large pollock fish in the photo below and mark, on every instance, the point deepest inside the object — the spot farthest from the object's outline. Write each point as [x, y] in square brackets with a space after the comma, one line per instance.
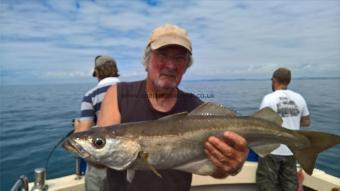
[177, 141]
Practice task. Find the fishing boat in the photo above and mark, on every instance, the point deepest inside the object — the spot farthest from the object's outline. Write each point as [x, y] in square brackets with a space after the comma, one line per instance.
[245, 180]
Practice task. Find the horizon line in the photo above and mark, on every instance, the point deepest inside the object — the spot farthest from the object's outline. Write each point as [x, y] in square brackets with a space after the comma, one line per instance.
[184, 80]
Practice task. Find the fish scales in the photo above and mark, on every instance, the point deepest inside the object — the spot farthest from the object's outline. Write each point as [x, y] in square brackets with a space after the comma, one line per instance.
[252, 128]
[181, 140]
[177, 141]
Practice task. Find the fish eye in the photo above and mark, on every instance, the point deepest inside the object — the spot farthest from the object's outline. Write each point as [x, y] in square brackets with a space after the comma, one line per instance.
[98, 142]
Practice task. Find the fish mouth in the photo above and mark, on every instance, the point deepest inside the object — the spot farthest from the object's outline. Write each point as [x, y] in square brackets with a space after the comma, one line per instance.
[74, 147]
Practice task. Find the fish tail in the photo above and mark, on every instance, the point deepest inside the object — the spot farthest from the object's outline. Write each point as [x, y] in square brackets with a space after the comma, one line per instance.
[320, 142]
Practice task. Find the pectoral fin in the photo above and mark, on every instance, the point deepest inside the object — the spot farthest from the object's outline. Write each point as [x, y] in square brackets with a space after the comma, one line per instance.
[130, 174]
[144, 156]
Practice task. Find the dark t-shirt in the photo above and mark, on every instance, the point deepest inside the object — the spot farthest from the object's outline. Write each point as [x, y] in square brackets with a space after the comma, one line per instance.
[134, 106]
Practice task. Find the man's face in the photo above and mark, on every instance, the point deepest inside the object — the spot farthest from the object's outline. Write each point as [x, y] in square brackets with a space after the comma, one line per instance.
[167, 66]
[273, 84]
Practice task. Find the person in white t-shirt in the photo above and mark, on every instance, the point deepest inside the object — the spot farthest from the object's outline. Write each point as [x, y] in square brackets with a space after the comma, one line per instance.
[277, 171]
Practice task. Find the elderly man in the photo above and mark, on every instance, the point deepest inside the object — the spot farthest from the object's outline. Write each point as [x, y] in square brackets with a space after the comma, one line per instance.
[168, 54]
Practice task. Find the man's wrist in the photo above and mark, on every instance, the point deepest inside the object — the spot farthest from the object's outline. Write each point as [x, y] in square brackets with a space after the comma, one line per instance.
[222, 174]
[219, 174]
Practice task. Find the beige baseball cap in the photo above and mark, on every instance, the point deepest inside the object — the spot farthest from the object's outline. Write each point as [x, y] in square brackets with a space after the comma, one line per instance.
[169, 34]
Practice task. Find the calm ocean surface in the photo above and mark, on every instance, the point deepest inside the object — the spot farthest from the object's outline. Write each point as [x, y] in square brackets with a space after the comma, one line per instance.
[35, 117]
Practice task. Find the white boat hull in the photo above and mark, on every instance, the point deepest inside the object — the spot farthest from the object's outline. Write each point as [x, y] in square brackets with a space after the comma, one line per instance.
[245, 180]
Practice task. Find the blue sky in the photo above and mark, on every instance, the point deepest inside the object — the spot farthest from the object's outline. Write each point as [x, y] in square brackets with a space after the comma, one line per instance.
[56, 41]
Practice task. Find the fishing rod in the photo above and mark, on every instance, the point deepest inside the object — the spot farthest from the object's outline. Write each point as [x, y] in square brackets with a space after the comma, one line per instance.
[56, 146]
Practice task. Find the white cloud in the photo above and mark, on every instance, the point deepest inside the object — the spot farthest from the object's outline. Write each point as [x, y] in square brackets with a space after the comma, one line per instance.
[230, 38]
[67, 74]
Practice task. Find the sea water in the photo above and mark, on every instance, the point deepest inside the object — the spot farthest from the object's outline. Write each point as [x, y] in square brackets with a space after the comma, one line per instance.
[35, 117]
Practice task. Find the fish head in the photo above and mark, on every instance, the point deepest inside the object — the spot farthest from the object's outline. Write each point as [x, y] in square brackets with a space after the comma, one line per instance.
[103, 146]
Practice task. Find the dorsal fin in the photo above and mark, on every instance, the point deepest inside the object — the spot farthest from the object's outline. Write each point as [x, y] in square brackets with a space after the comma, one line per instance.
[268, 114]
[210, 108]
[174, 116]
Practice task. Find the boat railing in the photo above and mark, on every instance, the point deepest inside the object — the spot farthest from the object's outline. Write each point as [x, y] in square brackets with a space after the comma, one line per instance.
[40, 178]
[21, 184]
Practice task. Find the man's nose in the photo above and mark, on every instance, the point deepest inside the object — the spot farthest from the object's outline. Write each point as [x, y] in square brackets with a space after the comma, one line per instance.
[171, 63]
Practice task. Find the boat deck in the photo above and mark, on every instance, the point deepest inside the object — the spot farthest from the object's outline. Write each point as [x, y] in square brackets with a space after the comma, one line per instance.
[245, 180]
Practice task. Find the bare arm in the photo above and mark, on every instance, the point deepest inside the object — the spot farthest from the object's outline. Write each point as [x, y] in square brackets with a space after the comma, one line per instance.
[228, 155]
[83, 125]
[109, 112]
[305, 121]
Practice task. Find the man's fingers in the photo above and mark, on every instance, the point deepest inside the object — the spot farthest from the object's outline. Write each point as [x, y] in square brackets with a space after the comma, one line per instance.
[227, 154]
[236, 141]
[218, 160]
[219, 148]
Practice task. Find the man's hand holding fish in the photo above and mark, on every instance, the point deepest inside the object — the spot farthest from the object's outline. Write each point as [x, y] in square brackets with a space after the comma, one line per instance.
[228, 154]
